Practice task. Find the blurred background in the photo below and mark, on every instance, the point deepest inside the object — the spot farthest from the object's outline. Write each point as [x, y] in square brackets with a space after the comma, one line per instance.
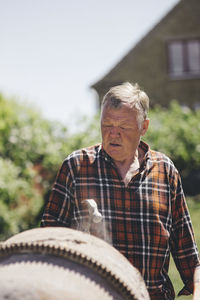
[53, 51]
[58, 58]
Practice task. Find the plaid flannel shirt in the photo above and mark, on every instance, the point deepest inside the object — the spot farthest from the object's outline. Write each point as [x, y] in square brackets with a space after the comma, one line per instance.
[146, 220]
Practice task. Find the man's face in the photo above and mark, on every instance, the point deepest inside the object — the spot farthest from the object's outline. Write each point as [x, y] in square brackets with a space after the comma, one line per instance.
[121, 132]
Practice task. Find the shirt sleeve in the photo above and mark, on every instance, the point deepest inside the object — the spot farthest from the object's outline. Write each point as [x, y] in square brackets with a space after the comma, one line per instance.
[59, 206]
[182, 242]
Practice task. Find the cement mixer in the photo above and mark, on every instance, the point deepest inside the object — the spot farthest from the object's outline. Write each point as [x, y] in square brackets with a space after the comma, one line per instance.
[62, 263]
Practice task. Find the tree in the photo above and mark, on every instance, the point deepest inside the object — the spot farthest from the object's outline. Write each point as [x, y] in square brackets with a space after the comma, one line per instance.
[31, 150]
[176, 132]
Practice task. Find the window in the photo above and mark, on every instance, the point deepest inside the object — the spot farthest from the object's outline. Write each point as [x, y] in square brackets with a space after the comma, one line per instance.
[184, 58]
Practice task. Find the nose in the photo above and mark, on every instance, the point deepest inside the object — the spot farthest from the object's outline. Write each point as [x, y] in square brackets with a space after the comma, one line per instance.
[114, 131]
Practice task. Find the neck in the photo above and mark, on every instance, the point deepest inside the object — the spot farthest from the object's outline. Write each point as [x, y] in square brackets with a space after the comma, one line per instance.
[128, 161]
[128, 167]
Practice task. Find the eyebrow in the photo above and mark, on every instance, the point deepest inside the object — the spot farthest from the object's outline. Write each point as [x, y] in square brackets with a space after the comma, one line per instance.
[124, 123]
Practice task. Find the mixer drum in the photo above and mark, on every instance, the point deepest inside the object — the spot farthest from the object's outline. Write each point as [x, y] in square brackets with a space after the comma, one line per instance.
[61, 263]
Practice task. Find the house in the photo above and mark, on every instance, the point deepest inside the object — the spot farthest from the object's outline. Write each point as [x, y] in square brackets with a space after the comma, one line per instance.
[166, 62]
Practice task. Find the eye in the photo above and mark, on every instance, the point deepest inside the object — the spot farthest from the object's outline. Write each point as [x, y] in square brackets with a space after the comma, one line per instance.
[107, 125]
[123, 128]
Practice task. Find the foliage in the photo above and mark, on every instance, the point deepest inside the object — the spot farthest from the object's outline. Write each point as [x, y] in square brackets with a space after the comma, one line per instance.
[89, 135]
[31, 150]
[20, 201]
[27, 137]
[176, 132]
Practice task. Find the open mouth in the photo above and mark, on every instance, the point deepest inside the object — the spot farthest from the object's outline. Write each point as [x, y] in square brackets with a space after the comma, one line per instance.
[114, 145]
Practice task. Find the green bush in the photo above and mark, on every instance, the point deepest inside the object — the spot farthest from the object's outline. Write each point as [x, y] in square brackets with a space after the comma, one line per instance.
[176, 132]
[20, 202]
[27, 137]
[31, 150]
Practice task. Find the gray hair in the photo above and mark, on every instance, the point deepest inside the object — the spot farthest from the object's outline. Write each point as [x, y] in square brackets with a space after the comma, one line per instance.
[128, 93]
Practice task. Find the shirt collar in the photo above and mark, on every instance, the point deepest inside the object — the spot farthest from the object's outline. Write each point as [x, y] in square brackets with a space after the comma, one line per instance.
[104, 154]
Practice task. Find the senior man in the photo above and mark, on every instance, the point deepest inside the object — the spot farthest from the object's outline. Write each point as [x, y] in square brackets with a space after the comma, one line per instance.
[137, 190]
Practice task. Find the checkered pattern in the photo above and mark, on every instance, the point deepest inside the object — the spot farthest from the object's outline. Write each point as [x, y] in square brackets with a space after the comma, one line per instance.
[145, 220]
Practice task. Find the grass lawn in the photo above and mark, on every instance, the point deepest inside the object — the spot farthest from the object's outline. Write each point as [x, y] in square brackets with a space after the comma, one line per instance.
[194, 208]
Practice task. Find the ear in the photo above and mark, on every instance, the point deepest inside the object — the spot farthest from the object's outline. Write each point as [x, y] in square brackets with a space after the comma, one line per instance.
[145, 126]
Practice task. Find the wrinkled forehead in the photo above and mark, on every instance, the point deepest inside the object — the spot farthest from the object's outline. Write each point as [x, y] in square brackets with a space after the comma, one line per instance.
[122, 112]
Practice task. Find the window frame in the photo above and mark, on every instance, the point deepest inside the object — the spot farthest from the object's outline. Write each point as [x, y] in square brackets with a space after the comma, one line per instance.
[186, 72]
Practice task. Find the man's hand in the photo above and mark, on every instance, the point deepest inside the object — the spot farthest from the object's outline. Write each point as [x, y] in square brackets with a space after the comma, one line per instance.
[93, 210]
